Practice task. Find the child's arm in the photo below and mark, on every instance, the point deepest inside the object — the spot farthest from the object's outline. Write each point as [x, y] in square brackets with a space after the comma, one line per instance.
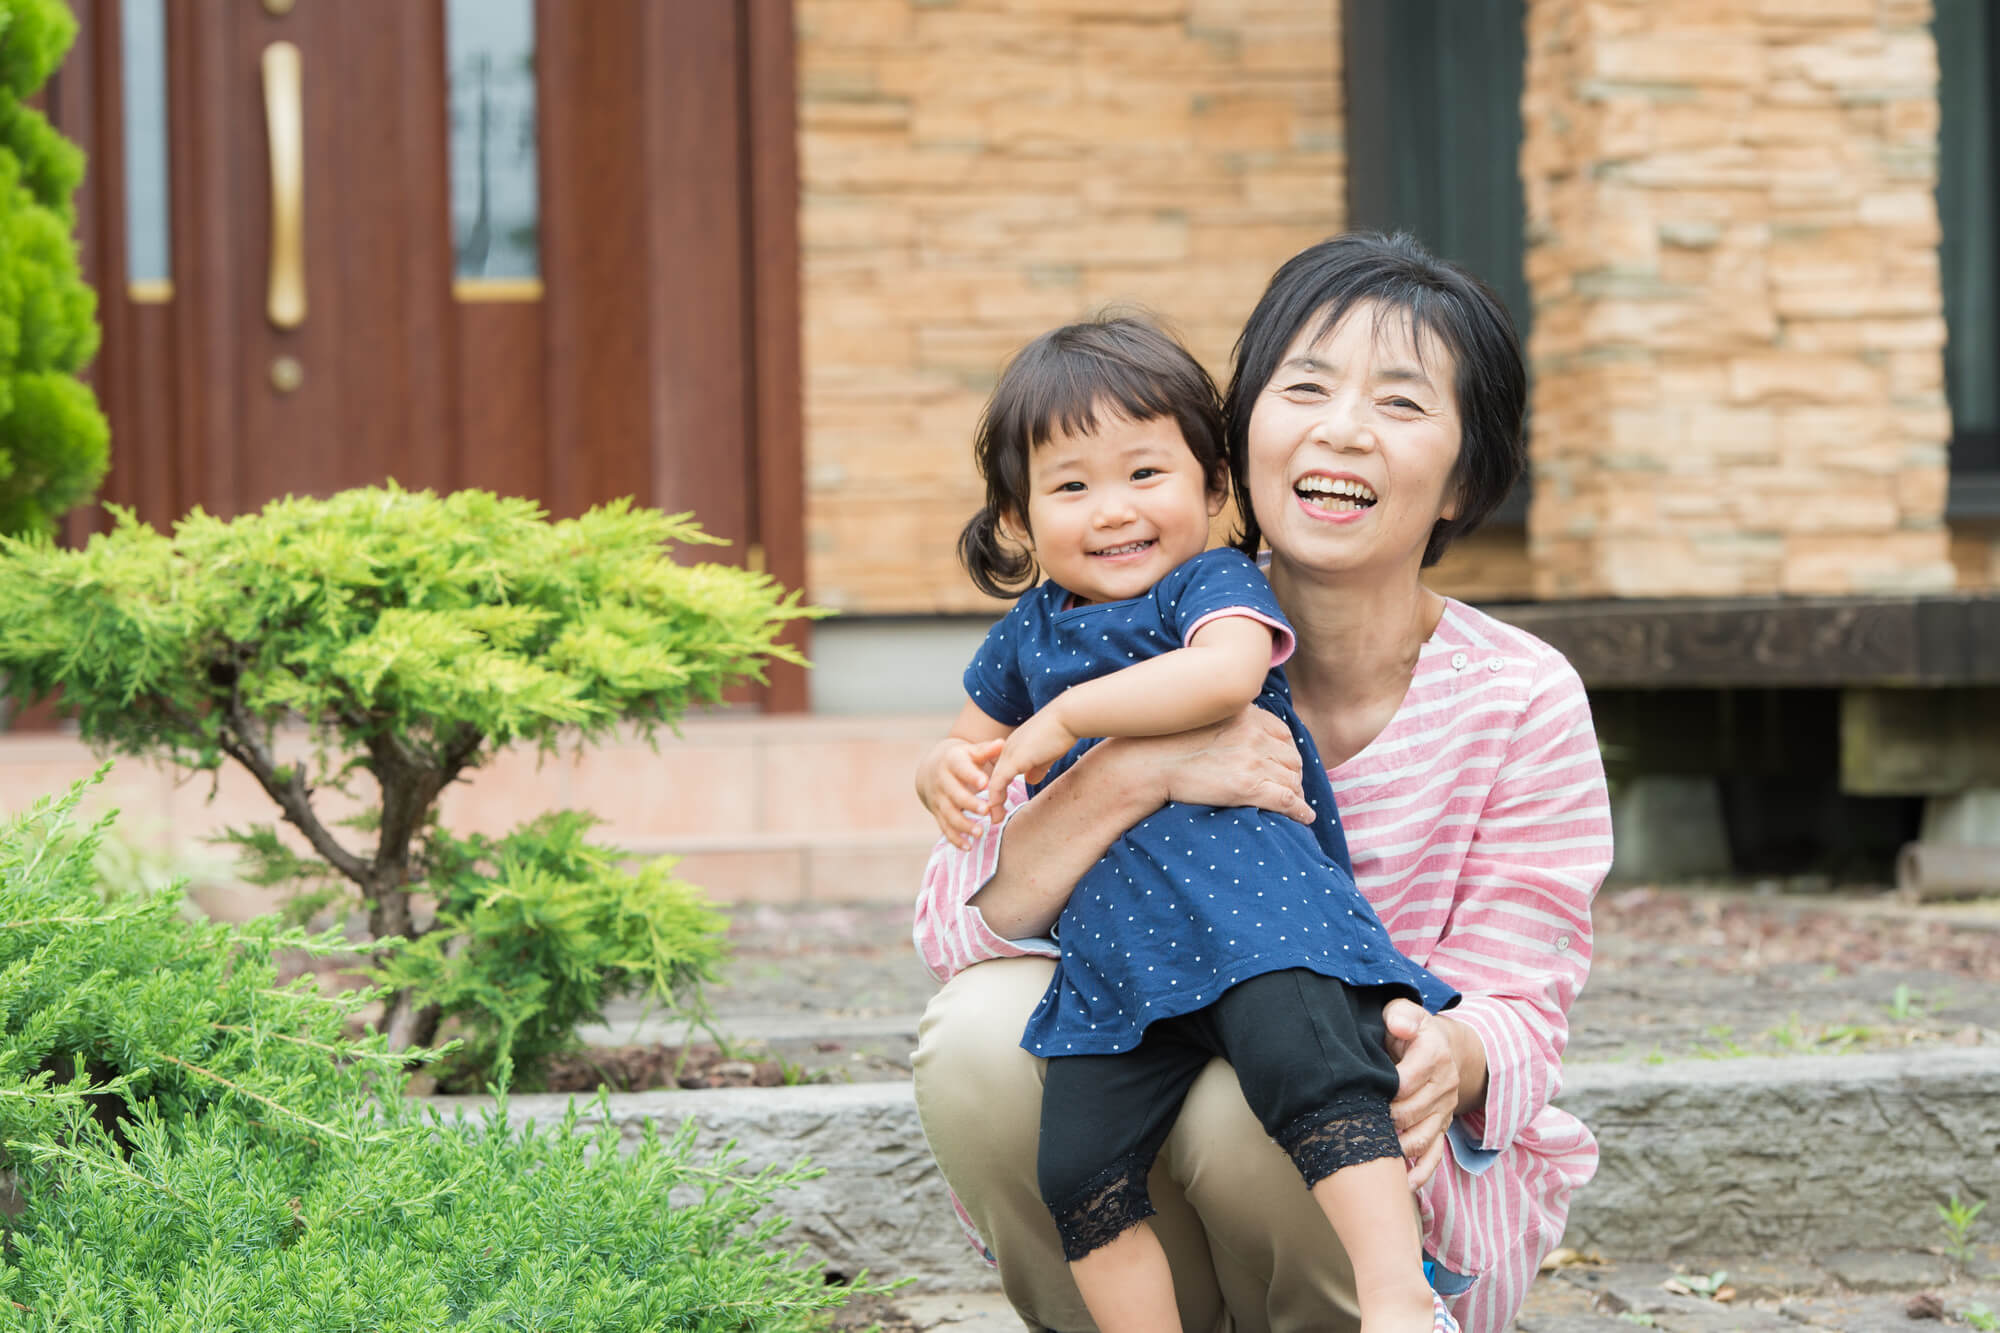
[1220, 672]
[951, 779]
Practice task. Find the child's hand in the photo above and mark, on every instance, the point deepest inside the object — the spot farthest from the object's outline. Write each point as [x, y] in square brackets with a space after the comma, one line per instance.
[951, 782]
[1035, 744]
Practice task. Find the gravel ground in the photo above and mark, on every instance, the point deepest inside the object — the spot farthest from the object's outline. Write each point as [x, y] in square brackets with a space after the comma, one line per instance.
[1682, 972]
[1679, 972]
[1872, 1292]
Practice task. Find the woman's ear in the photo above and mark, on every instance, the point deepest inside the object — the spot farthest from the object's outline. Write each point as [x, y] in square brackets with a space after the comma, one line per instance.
[1454, 500]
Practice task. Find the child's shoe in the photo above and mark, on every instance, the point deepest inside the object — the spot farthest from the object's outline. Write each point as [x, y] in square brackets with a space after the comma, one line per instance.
[1441, 1320]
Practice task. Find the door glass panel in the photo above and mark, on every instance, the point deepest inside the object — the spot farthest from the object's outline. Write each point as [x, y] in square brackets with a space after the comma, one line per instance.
[148, 248]
[495, 208]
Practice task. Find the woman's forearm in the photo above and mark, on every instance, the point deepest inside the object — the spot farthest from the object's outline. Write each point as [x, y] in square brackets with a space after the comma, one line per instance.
[1052, 840]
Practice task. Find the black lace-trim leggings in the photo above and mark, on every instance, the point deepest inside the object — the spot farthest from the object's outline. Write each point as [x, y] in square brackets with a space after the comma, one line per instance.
[1307, 1050]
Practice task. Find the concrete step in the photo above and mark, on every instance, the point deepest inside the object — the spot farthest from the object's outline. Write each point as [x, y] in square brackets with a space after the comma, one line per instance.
[1755, 1156]
[779, 809]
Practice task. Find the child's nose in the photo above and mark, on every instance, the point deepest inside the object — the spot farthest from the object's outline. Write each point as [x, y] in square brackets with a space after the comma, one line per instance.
[1114, 511]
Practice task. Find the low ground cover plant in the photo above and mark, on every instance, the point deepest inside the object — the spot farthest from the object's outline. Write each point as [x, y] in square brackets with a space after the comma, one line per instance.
[196, 1147]
[405, 637]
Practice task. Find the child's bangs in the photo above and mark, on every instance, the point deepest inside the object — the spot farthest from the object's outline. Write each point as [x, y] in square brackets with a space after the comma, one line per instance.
[1077, 391]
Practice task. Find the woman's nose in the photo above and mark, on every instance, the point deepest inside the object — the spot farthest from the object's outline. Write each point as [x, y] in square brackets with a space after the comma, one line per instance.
[1343, 424]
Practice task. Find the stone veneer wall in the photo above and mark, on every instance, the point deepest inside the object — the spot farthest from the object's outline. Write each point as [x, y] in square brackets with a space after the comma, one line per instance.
[976, 171]
[1733, 252]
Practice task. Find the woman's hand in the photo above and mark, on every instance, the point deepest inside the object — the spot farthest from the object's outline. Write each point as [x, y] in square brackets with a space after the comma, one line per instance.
[1249, 759]
[1441, 1070]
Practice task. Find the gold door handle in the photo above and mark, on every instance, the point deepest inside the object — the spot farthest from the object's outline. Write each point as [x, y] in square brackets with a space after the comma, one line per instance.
[284, 125]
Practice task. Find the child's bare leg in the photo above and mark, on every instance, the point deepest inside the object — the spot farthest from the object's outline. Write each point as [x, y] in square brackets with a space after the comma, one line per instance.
[1127, 1285]
[1370, 1207]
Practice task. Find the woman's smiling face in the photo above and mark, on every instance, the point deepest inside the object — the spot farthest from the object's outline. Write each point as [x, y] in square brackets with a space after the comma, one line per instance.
[1353, 443]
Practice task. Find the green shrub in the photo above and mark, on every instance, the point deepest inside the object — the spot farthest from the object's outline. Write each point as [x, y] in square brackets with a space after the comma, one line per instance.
[199, 1149]
[54, 441]
[410, 636]
[536, 930]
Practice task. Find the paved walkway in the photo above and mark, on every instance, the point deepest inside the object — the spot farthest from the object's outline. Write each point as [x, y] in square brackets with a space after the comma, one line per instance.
[1851, 1293]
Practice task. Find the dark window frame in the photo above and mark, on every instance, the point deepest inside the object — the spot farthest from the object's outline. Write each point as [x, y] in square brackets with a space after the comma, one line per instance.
[1433, 129]
[1968, 38]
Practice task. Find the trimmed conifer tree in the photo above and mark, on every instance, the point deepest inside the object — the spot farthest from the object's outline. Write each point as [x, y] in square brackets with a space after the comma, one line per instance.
[382, 644]
[54, 442]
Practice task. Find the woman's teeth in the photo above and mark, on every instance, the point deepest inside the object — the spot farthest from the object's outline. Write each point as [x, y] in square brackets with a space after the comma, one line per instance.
[1335, 495]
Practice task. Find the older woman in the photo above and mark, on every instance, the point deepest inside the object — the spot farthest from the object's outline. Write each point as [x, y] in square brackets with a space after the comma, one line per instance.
[1375, 415]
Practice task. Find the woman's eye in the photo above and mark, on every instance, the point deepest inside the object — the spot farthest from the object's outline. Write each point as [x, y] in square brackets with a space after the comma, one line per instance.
[1308, 388]
[1403, 405]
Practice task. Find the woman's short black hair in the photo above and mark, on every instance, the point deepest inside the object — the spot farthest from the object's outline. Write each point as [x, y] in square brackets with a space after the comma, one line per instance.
[1394, 274]
[1058, 384]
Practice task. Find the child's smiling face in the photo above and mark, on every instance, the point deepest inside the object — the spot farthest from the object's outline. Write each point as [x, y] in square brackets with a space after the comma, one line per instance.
[1110, 513]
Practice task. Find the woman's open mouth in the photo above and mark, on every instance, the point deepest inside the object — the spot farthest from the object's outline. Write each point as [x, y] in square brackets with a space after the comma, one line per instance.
[1334, 495]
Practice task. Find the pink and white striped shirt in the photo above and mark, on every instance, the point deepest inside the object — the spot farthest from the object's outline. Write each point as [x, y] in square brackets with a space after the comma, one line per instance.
[1480, 828]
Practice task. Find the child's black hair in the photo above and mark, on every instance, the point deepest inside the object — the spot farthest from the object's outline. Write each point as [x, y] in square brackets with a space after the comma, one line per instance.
[1058, 384]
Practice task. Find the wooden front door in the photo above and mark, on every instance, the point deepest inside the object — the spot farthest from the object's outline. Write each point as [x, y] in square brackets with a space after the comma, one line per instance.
[319, 305]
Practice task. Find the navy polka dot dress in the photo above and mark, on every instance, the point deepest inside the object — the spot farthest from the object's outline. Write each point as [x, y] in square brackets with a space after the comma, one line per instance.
[1195, 898]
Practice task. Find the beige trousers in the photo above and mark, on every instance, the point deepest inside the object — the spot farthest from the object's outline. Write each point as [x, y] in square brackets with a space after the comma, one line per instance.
[1250, 1249]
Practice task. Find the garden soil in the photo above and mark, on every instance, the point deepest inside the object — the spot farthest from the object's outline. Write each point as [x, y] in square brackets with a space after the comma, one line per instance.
[815, 992]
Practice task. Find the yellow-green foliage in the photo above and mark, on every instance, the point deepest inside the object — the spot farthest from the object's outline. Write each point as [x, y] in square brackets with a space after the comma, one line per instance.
[197, 1149]
[537, 929]
[412, 634]
[382, 615]
[54, 442]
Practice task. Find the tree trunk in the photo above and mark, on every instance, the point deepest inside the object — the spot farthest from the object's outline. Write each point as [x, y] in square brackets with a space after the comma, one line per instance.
[409, 1024]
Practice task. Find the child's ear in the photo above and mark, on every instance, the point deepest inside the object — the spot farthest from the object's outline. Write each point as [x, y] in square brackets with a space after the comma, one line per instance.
[1218, 496]
[1014, 530]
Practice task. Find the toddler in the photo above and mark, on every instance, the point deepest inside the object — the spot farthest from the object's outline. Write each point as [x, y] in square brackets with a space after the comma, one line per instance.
[1203, 931]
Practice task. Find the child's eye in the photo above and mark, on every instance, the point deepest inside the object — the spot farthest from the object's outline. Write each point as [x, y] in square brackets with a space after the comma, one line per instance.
[1071, 487]
[1140, 474]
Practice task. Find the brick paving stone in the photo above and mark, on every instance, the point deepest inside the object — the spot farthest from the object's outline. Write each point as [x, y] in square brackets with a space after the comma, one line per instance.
[1877, 1312]
[1634, 1288]
[1885, 1270]
[1571, 1323]
[1982, 1266]
[1601, 1299]
[1767, 1279]
[1627, 1294]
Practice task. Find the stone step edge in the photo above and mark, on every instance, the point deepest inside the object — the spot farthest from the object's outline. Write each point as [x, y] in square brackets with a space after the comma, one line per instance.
[675, 844]
[1766, 1155]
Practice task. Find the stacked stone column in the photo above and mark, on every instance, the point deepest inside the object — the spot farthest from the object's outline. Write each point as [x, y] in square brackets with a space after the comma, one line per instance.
[1732, 245]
